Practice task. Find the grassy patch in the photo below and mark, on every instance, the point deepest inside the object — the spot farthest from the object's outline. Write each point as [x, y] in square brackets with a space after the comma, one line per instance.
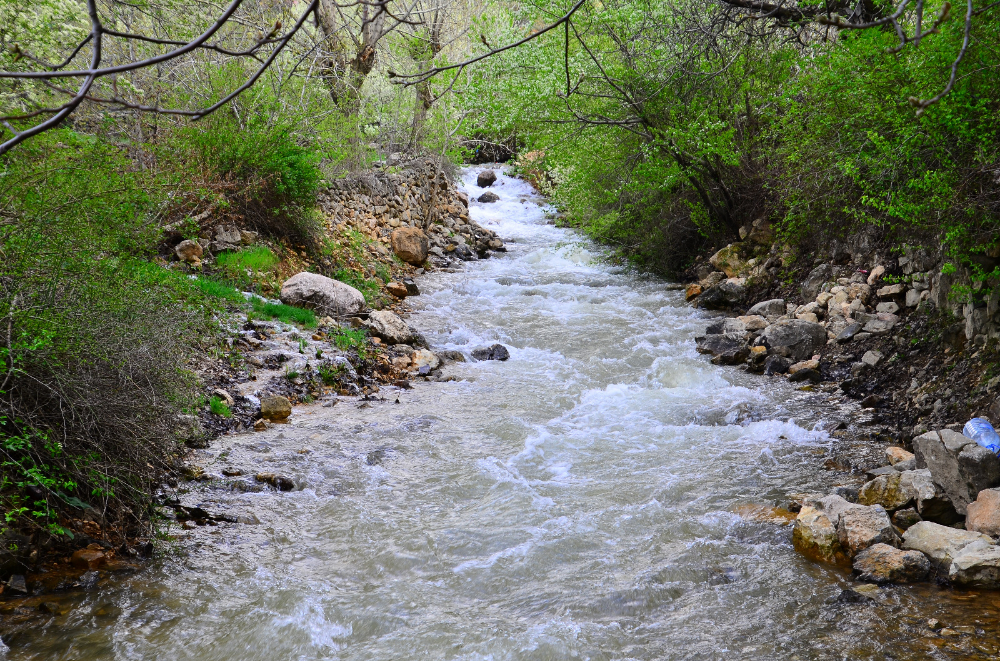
[219, 407]
[285, 313]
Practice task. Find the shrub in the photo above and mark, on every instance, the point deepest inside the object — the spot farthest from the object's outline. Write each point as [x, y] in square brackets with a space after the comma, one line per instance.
[219, 407]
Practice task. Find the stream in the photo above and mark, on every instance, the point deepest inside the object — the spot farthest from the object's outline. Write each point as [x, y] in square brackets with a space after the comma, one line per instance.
[606, 493]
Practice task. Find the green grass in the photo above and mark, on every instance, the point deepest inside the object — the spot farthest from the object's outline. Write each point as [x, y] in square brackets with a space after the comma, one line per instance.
[219, 407]
[285, 313]
[256, 259]
[349, 338]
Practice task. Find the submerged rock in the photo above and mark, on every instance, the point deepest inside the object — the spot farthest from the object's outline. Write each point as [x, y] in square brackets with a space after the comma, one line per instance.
[494, 352]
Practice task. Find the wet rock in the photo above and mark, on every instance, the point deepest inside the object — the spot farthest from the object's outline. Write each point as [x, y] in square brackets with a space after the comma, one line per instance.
[984, 514]
[958, 465]
[279, 482]
[486, 178]
[488, 197]
[692, 291]
[905, 518]
[275, 407]
[853, 596]
[722, 296]
[976, 565]
[729, 348]
[794, 338]
[941, 544]
[411, 287]
[410, 244]
[389, 326]
[324, 295]
[494, 352]
[452, 356]
[423, 359]
[88, 559]
[886, 490]
[810, 375]
[776, 365]
[772, 308]
[727, 326]
[860, 527]
[881, 563]
[814, 535]
[52, 608]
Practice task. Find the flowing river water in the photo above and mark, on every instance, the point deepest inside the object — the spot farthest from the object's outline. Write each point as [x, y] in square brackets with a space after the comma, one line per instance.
[603, 494]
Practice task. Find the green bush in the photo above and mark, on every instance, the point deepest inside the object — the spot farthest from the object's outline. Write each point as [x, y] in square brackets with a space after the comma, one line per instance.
[219, 407]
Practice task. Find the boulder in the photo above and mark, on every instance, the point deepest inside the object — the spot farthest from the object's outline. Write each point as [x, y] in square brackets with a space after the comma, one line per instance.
[727, 325]
[488, 197]
[722, 296]
[411, 287]
[328, 297]
[891, 292]
[753, 322]
[493, 352]
[896, 455]
[876, 273]
[976, 565]
[886, 490]
[849, 332]
[815, 280]
[776, 365]
[410, 244]
[960, 466]
[423, 360]
[930, 500]
[712, 279]
[903, 519]
[941, 544]
[860, 527]
[397, 289]
[793, 338]
[389, 326]
[486, 178]
[872, 358]
[692, 291]
[762, 232]
[88, 559]
[815, 536]
[881, 563]
[275, 407]
[189, 251]
[772, 308]
[728, 260]
[729, 348]
[811, 364]
[984, 514]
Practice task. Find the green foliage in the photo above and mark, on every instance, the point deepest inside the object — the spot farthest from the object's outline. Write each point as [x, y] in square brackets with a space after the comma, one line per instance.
[285, 313]
[219, 407]
[350, 338]
[258, 258]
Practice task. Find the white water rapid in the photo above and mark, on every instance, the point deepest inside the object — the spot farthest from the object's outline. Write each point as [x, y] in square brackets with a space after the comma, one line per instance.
[600, 495]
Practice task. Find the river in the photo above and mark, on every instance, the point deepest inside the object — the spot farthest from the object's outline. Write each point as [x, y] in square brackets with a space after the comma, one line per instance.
[603, 494]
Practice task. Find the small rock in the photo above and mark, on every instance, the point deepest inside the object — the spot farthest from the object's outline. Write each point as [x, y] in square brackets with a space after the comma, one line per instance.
[896, 455]
[389, 326]
[904, 519]
[849, 333]
[876, 273]
[397, 289]
[189, 251]
[772, 308]
[692, 291]
[51, 607]
[887, 306]
[16, 583]
[852, 596]
[815, 536]
[488, 197]
[753, 322]
[411, 287]
[881, 563]
[88, 559]
[494, 352]
[984, 514]
[891, 291]
[872, 358]
[224, 395]
[885, 490]
[860, 527]
[486, 178]
[722, 296]
[275, 407]
[423, 359]
[806, 375]
[976, 565]
[776, 365]
[279, 482]
[259, 425]
[803, 365]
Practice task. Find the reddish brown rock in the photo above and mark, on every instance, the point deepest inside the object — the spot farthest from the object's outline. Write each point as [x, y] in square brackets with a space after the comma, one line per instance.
[88, 559]
[984, 514]
[397, 289]
[881, 563]
[410, 244]
[692, 291]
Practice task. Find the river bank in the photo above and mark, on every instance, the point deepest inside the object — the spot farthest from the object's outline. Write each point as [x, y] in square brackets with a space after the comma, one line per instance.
[604, 492]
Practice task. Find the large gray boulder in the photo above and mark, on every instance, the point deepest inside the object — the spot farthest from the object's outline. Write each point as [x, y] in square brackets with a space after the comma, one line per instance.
[930, 499]
[389, 326]
[328, 297]
[960, 466]
[725, 348]
[881, 563]
[722, 296]
[940, 544]
[772, 308]
[976, 565]
[794, 338]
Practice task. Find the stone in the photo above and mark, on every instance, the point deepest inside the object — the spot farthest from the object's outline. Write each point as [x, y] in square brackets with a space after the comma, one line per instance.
[722, 296]
[906, 465]
[189, 251]
[891, 291]
[849, 333]
[486, 178]
[876, 273]
[692, 291]
[941, 544]
[958, 465]
[776, 365]
[913, 297]
[896, 455]
[794, 338]
[860, 527]
[411, 287]
[731, 348]
[762, 232]
[774, 307]
[275, 407]
[815, 536]
[728, 260]
[324, 295]
[803, 365]
[727, 325]
[88, 559]
[488, 197]
[753, 322]
[976, 565]
[872, 358]
[885, 490]
[494, 352]
[224, 395]
[410, 244]
[881, 563]
[397, 289]
[815, 280]
[424, 358]
[279, 482]
[389, 326]
[887, 306]
[983, 515]
[905, 518]
[931, 502]
[806, 375]
[712, 279]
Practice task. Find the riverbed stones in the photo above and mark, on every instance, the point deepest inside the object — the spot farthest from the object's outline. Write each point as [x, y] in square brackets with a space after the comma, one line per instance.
[389, 326]
[983, 515]
[725, 348]
[941, 544]
[275, 407]
[493, 352]
[794, 338]
[692, 291]
[976, 565]
[397, 289]
[88, 559]
[489, 197]
[960, 466]
[423, 360]
[776, 365]
[881, 563]
[722, 296]
[324, 295]
[410, 244]
[860, 527]
[486, 178]
[815, 536]
[885, 490]
[772, 308]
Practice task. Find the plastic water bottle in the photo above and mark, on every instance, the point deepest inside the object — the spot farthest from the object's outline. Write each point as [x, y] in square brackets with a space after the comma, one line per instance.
[982, 432]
